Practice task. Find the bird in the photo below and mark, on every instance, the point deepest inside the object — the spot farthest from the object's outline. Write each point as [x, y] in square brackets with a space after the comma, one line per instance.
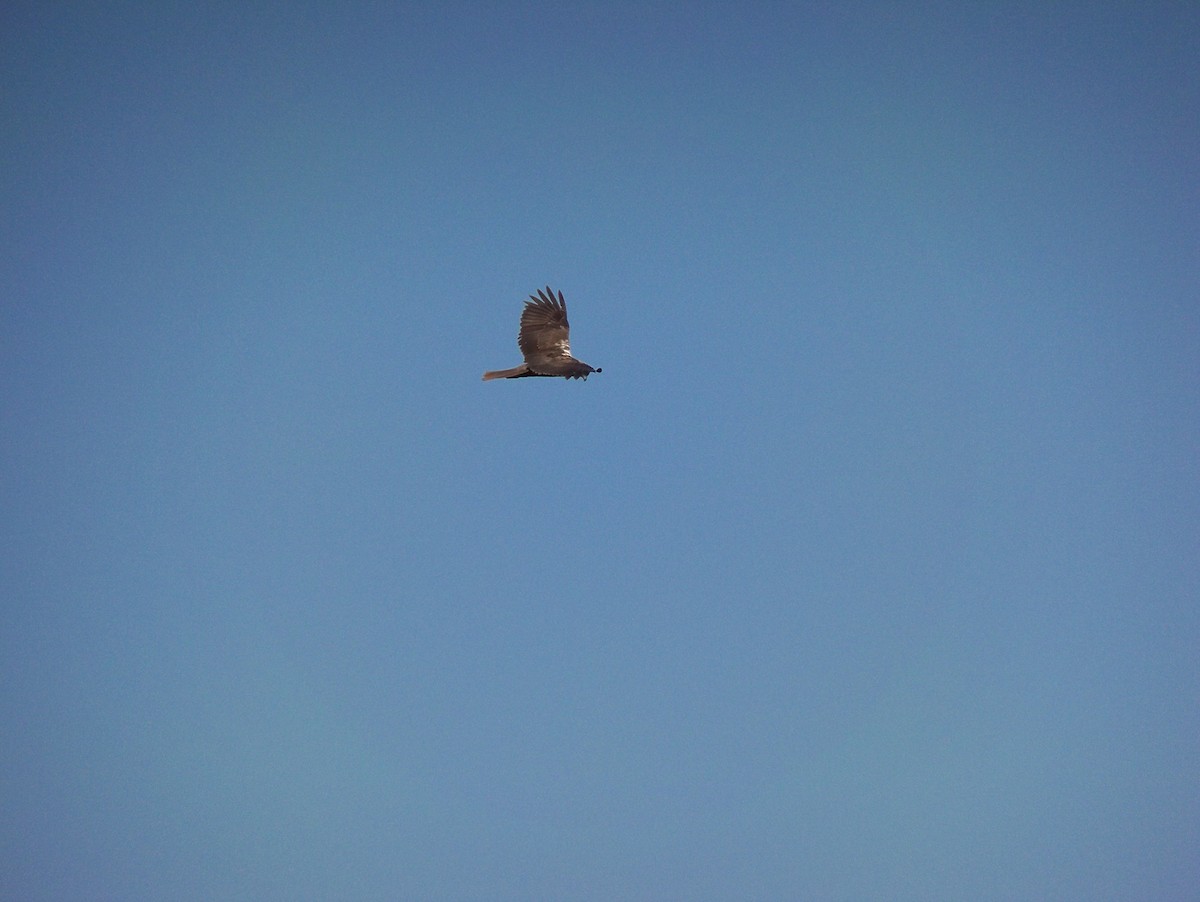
[543, 341]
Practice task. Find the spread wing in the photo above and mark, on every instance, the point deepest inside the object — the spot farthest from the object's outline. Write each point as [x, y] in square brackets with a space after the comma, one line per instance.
[544, 328]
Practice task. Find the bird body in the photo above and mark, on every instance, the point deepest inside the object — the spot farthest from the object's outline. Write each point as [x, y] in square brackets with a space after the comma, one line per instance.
[544, 341]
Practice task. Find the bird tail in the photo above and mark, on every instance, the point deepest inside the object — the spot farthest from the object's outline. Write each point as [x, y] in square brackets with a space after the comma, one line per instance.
[516, 371]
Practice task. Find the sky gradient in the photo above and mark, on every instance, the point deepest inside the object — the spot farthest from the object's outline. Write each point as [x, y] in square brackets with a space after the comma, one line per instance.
[867, 569]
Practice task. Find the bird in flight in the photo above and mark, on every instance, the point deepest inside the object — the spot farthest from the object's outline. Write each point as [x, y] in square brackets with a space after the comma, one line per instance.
[543, 342]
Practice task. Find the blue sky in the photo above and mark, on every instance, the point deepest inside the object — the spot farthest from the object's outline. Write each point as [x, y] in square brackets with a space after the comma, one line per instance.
[867, 568]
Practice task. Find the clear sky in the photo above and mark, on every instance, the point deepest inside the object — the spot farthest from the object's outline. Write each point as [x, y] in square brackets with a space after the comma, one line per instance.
[869, 568]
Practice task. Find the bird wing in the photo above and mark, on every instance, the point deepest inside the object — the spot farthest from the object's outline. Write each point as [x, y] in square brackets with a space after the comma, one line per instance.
[544, 328]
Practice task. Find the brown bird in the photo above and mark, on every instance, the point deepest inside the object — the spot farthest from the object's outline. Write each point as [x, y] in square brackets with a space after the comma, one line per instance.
[543, 341]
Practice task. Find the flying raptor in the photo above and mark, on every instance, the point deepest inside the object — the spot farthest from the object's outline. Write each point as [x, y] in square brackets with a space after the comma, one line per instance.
[543, 341]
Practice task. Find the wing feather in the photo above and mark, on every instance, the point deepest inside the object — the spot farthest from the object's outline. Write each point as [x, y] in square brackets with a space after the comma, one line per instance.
[545, 332]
